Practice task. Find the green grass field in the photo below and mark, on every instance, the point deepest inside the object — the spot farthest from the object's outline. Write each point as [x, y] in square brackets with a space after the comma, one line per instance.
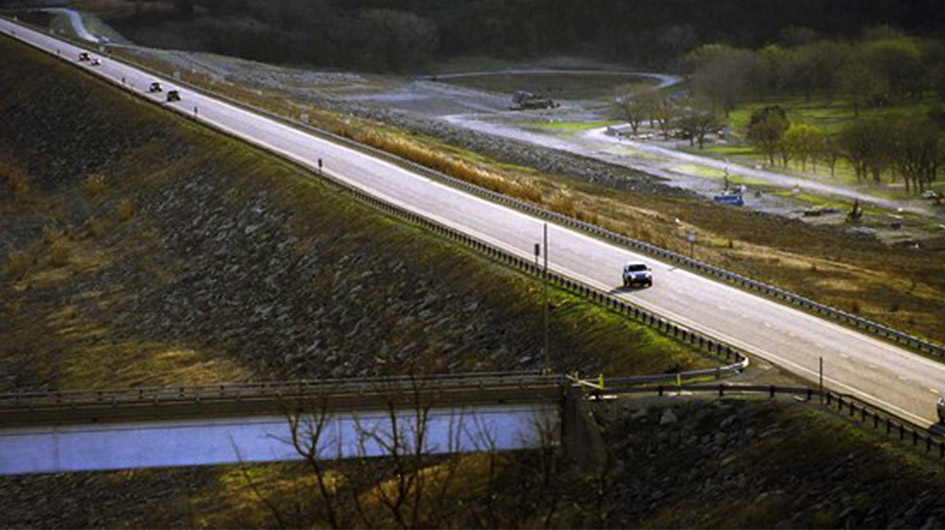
[829, 115]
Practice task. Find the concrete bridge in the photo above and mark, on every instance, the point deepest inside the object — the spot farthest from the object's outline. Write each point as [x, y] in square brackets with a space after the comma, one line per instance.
[55, 432]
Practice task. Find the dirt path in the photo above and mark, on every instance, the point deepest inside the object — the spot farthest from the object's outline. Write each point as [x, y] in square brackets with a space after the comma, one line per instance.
[664, 80]
[75, 19]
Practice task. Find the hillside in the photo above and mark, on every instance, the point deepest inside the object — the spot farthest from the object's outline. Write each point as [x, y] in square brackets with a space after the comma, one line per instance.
[138, 248]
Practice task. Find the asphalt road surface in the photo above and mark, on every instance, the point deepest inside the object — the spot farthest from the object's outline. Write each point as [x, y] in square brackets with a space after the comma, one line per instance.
[887, 376]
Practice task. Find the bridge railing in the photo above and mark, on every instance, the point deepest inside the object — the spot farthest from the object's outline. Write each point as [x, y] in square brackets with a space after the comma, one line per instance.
[277, 389]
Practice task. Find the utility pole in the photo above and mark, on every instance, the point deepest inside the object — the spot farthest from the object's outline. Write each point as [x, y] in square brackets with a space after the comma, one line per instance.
[821, 380]
[547, 351]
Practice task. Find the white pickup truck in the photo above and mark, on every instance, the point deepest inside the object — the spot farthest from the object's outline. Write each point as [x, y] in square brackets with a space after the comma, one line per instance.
[637, 274]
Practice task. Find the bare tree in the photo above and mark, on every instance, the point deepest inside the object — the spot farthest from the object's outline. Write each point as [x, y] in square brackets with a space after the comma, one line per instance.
[696, 124]
[633, 109]
[828, 151]
[916, 152]
[866, 144]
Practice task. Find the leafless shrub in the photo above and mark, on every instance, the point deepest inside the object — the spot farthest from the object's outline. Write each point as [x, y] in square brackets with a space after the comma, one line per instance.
[17, 263]
[126, 210]
[59, 252]
[16, 178]
[95, 185]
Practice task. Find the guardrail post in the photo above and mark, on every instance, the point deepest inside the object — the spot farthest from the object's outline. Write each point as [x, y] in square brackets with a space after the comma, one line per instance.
[771, 391]
[721, 390]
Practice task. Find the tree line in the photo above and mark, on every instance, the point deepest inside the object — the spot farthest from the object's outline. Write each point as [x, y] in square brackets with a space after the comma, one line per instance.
[885, 67]
[876, 147]
[405, 35]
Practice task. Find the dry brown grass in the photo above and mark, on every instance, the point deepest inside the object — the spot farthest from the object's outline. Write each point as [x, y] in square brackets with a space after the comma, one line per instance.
[95, 185]
[126, 210]
[18, 263]
[59, 252]
[427, 157]
[16, 178]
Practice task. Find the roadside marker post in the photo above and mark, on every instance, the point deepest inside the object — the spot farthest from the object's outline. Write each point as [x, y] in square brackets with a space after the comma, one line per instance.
[692, 244]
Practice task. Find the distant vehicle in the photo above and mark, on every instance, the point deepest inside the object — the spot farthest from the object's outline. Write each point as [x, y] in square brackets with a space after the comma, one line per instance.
[155, 87]
[526, 100]
[733, 199]
[931, 195]
[173, 95]
[84, 56]
[637, 274]
[95, 62]
[940, 408]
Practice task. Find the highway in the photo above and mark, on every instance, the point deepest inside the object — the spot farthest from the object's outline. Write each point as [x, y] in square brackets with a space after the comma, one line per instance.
[884, 375]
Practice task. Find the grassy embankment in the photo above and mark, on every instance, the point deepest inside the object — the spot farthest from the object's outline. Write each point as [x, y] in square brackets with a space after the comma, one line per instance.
[901, 288]
[141, 249]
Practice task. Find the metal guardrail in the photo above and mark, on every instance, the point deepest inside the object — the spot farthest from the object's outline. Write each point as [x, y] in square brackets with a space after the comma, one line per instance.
[816, 308]
[916, 437]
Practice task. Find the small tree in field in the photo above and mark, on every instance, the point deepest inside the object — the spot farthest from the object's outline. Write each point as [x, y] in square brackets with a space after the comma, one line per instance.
[633, 109]
[696, 123]
[766, 128]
